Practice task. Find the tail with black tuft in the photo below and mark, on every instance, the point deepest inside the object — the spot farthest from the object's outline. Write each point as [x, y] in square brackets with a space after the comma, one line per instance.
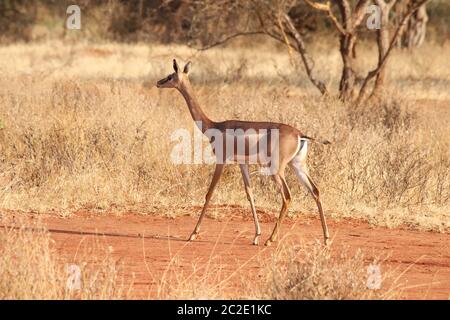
[314, 140]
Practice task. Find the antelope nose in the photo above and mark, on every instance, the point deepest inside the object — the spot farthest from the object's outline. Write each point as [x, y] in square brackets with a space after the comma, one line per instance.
[160, 82]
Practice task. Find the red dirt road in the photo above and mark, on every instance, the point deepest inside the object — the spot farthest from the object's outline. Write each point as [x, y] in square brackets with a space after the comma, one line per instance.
[424, 257]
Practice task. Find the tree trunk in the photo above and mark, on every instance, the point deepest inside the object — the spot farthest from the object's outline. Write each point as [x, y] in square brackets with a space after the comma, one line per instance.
[383, 46]
[347, 83]
[417, 27]
[415, 32]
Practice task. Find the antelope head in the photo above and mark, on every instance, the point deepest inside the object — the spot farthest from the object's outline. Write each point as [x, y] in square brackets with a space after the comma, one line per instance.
[174, 80]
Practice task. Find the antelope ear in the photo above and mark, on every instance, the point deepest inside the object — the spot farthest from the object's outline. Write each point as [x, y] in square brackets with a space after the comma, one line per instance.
[175, 66]
[187, 67]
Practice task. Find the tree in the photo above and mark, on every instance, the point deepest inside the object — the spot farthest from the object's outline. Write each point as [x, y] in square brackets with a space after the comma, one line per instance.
[16, 19]
[415, 31]
[274, 19]
[384, 49]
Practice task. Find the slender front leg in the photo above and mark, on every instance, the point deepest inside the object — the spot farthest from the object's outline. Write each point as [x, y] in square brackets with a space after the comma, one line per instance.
[248, 190]
[215, 179]
[286, 196]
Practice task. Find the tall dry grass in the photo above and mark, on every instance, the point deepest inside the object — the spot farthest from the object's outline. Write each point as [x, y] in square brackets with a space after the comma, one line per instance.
[316, 272]
[84, 128]
[30, 267]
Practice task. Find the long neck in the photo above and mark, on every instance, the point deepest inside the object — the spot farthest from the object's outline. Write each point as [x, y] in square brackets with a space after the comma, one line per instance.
[194, 108]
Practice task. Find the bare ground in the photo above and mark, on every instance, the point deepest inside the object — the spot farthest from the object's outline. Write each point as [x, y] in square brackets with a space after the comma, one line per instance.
[151, 248]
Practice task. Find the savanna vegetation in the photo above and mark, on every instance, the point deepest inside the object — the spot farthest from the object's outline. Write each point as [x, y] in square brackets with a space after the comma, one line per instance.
[83, 127]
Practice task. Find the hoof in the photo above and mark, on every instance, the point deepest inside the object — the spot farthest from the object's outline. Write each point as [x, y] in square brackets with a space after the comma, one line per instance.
[326, 242]
[268, 243]
[192, 237]
[256, 241]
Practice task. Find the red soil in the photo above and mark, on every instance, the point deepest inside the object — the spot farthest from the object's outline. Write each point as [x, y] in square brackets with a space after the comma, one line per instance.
[422, 257]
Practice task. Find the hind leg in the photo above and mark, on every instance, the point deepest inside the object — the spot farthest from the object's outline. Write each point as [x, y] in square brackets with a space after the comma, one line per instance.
[302, 173]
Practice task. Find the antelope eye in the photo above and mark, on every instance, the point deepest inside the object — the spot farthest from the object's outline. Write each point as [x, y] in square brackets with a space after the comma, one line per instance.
[169, 77]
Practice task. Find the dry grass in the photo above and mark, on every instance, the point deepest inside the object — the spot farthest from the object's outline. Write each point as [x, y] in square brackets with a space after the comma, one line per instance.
[31, 269]
[311, 272]
[204, 281]
[80, 131]
[293, 271]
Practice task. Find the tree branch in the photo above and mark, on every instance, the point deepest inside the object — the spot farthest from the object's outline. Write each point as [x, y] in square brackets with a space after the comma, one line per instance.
[360, 12]
[305, 57]
[346, 13]
[226, 39]
[390, 4]
[326, 7]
